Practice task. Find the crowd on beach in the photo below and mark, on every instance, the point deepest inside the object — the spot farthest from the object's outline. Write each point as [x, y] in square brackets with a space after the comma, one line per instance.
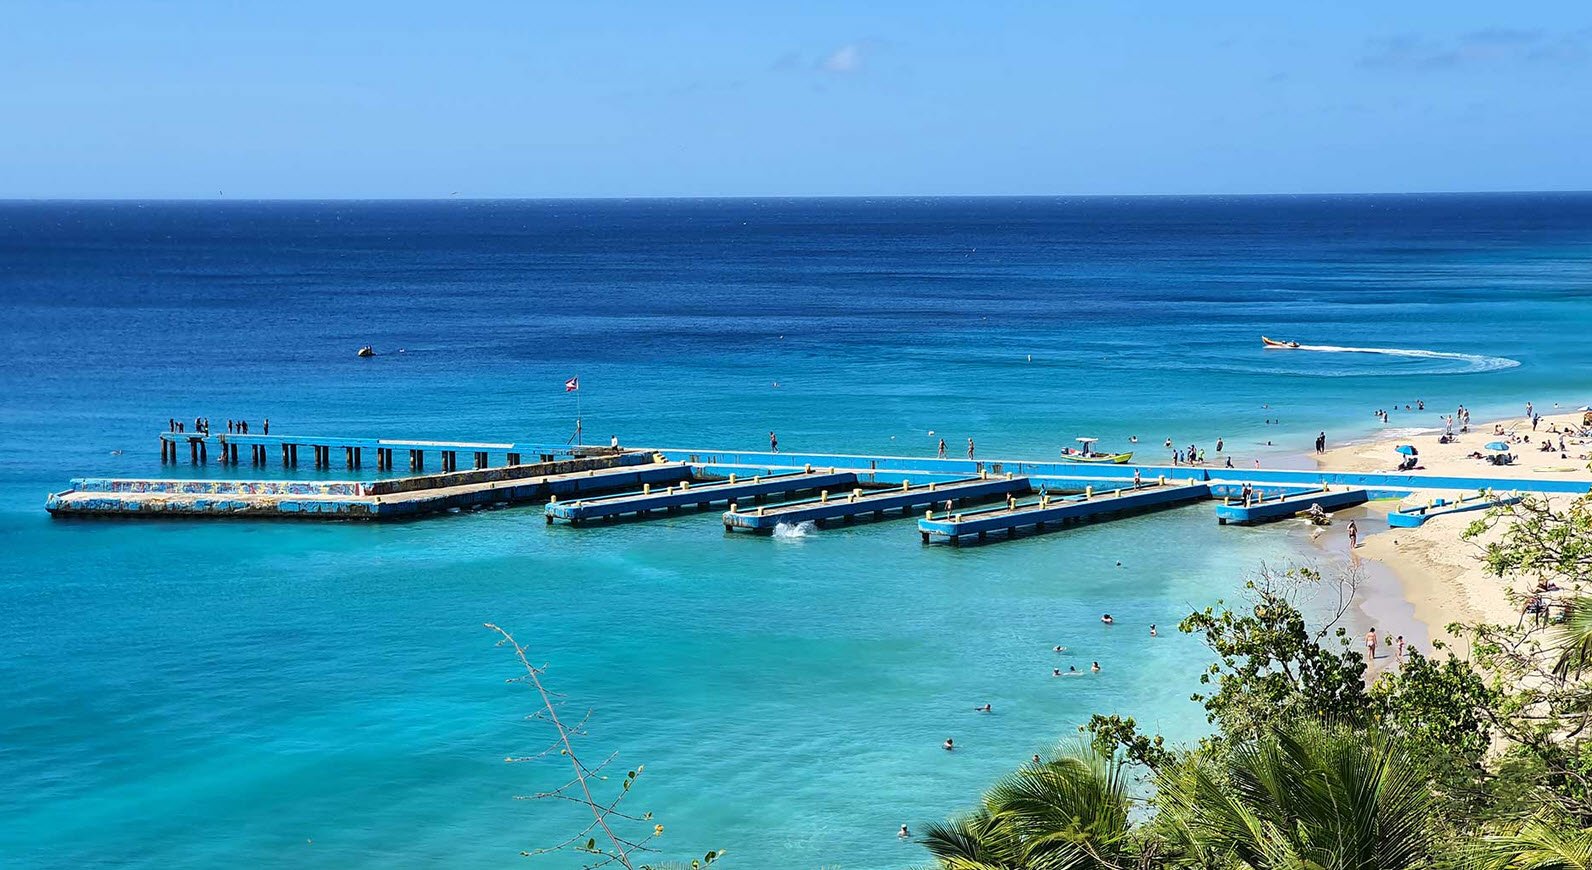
[1563, 438]
[201, 426]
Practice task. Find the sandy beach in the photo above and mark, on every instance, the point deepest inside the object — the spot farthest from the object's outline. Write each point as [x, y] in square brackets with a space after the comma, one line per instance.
[1442, 575]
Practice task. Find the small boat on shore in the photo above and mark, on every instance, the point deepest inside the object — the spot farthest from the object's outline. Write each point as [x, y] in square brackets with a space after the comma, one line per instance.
[1087, 454]
[1102, 458]
[1272, 342]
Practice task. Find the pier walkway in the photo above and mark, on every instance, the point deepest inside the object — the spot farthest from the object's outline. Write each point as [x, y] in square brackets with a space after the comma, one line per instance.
[393, 498]
[688, 495]
[1050, 513]
[1259, 510]
[1410, 517]
[862, 503]
[889, 469]
[505, 472]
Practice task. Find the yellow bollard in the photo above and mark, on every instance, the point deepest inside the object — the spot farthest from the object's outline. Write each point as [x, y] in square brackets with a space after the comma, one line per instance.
[732, 477]
[732, 507]
[906, 485]
[808, 468]
[928, 514]
[646, 489]
[823, 496]
[1088, 493]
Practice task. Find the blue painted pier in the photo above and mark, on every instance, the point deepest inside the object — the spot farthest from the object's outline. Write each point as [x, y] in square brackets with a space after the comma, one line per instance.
[1052, 513]
[1410, 517]
[1258, 510]
[689, 495]
[863, 503]
[386, 499]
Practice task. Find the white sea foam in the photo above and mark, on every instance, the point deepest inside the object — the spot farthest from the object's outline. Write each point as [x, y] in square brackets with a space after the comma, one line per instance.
[1473, 362]
[794, 531]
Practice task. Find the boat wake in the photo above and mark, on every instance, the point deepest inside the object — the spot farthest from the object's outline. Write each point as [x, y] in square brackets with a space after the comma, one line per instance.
[1473, 362]
[794, 531]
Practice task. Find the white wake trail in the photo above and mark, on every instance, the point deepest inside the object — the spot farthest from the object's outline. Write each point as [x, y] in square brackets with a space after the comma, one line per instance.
[1474, 362]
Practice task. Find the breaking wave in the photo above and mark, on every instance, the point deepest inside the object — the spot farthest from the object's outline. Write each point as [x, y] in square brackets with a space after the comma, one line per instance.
[794, 531]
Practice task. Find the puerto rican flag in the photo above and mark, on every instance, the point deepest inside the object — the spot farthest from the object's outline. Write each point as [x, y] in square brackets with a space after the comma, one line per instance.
[572, 385]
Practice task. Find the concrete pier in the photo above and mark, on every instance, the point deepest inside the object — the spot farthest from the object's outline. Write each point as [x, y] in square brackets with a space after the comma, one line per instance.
[1052, 513]
[698, 496]
[1437, 506]
[1259, 510]
[391, 498]
[863, 503]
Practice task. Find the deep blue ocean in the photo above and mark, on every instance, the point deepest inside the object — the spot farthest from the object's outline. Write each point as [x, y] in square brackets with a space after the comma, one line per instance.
[178, 694]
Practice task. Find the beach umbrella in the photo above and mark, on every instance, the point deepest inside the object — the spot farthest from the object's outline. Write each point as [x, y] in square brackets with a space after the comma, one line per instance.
[1498, 447]
[1407, 449]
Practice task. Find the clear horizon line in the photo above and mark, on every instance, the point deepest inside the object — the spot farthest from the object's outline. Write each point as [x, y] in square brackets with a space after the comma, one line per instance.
[776, 196]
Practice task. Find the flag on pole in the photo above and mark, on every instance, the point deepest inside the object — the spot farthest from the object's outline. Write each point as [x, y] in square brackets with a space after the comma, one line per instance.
[572, 385]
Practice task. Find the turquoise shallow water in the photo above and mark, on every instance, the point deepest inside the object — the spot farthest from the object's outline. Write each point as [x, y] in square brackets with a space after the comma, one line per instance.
[182, 695]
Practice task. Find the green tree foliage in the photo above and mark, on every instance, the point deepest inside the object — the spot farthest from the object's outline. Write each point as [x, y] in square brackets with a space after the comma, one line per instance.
[1070, 813]
[1305, 795]
[1438, 707]
[1271, 667]
[1539, 845]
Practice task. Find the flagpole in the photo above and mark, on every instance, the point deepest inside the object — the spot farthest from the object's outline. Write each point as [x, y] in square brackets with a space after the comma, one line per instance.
[579, 441]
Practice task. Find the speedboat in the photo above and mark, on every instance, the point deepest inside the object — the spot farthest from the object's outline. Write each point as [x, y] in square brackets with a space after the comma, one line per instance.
[1272, 342]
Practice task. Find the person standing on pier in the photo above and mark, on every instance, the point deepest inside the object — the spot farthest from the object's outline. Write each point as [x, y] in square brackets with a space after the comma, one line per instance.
[266, 426]
[970, 448]
[773, 442]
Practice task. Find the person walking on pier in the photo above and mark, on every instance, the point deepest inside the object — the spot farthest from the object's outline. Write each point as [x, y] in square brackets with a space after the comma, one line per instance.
[969, 448]
[773, 442]
[942, 448]
[266, 426]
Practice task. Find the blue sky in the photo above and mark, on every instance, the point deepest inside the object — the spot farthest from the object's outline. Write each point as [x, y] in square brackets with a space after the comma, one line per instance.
[528, 99]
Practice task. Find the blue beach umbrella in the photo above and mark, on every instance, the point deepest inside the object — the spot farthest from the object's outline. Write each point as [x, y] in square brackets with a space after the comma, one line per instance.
[1498, 447]
[1406, 449]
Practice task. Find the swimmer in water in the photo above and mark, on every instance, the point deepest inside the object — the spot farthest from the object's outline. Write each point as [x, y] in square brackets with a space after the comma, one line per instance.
[1059, 648]
[984, 709]
[1036, 758]
[1055, 672]
[1152, 630]
[904, 833]
[1095, 667]
[949, 744]
[1106, 618]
